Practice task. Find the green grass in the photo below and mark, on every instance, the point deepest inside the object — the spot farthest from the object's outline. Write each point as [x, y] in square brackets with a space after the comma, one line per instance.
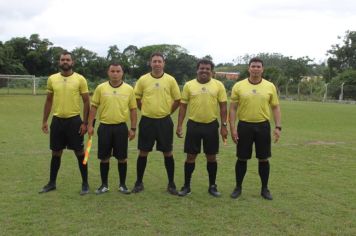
[313, 171]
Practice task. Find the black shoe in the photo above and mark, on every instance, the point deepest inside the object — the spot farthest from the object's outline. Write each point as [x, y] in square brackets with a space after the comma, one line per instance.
[138, 188]
[48, 187]
[184, 191]
[172, 189]
[102, 189]
[265, 193]
[85, 189]
[236, 193]
[213, 191]
[123, 189]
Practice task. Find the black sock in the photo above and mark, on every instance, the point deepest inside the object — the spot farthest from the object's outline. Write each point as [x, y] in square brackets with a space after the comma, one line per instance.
[240, 171]
[169, 163]
[263, 170]
[83, 168]
[104, 172]
[55, 164]
[140, 168]
[122, 167]
[212, 168]
[188, 171]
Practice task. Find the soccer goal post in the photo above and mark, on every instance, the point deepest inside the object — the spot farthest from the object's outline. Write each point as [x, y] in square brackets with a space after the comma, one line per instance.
[20, 84]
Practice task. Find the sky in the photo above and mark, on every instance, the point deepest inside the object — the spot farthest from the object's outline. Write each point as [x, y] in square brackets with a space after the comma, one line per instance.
[224, 29]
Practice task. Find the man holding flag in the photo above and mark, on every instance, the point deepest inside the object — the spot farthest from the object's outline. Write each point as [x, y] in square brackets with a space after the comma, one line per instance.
[67, 128]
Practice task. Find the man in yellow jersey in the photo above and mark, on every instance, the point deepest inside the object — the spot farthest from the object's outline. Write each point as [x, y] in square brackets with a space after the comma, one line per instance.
[251, 101]
[67, 130]
[203, 95]
[116, 103]
[158, 96]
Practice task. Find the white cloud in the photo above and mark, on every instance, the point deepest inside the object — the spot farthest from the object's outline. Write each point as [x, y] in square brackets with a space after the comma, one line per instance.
[224, 29]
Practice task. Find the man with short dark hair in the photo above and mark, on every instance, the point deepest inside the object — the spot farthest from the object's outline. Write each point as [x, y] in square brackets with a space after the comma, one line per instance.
[251, 102]
[203, 95]
[158, 96]
[116, 103]
[67, 130]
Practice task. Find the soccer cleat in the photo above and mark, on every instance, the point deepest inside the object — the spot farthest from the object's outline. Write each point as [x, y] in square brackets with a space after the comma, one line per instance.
[123, 189]
[48, 187]
[85, 189]
[213, 191]
[236, 193]
[138, 188]
[171, 188]
[184, 191]
[265, 193]
[102, 189]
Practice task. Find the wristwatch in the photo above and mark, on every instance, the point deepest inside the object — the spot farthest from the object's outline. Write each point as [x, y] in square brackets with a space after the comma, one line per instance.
[224, 124]
[279, 127]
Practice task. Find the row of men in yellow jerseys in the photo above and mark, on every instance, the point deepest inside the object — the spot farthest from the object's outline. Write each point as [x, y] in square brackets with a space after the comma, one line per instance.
[156, 94]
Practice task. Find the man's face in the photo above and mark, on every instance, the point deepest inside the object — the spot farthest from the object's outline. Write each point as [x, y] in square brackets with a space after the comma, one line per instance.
[157, 64]
[66, 62]
[204, 72]
[255, 69]
[115, 73]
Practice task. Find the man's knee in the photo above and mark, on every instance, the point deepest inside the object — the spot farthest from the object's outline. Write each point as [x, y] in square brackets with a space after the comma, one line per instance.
[211, 158]
[191, 158]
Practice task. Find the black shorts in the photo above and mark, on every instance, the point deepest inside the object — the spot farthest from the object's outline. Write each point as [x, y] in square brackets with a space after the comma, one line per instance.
[155, 130]
[196, 132]
[249, 133]
[64, 133]
[112, 141]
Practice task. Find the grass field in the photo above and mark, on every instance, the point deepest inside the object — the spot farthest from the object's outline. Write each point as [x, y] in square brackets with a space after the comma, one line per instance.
[313, 181]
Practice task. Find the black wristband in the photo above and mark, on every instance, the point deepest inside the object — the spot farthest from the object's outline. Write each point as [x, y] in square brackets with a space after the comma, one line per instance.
[133, 129]
[279, 128]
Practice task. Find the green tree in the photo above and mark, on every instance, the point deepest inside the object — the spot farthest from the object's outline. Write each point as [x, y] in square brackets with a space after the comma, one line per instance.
[343, 56]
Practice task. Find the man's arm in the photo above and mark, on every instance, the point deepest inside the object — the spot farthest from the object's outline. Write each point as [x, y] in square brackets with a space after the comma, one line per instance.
[223, 117]
[46, 111]
[277, 122]
[139, 103]
[175, 105]
[181, 116]
[133, 119]
[232, 120]
[86, 107]
[91, 118]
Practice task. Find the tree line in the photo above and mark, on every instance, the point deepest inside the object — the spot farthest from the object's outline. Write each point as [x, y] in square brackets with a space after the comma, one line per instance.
[39, 57]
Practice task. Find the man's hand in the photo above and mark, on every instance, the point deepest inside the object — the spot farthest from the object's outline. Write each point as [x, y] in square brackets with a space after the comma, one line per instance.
[179, 132]
[131, 134]
[223, 133]
[45, 127]
[276, 134]
[82, 129]
[234, 136]
[90, 130]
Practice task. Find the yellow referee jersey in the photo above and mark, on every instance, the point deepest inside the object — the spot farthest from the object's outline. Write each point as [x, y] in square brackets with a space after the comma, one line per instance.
[157, 94]
[67, 92]
[114, 103]
[254, 100]
[203, 99]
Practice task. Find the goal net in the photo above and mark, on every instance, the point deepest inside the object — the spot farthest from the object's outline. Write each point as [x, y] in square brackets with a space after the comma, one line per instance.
[22, 84]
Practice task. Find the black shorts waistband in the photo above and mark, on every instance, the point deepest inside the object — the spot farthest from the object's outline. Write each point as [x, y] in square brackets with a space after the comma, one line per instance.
[200, 123]
[162, 118]
[118, 124]
[69, 118]
[253, 123]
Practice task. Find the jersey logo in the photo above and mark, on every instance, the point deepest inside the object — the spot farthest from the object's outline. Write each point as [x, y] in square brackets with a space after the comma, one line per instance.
[254, 91]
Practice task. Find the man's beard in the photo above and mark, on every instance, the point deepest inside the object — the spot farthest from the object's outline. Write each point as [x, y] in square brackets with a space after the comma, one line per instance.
[66, 67]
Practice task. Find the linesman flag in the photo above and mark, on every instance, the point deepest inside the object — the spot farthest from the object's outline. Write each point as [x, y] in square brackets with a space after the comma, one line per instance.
[87, 150]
